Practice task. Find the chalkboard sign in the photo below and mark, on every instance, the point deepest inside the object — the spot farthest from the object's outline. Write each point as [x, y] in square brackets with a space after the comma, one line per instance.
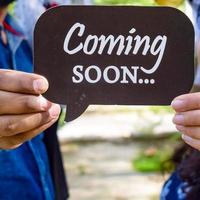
[118, 55]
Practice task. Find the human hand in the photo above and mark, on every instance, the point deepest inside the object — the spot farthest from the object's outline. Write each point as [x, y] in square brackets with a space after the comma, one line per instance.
[187, 118]
[24, 113]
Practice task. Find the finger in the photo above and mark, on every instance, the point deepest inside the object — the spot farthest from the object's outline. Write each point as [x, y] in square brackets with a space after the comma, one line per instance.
[186, 102]
[192, 131]
[15, 124]
[21, 82]
[191, 141]
[15, 103]
[15, 141]
[189, 118]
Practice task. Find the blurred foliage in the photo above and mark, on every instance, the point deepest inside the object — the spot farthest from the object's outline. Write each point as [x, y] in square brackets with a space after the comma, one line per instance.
[160, 109]
[174, 3]
[128, 109]
[11, 8]
[61, 121]
[153, 160]
[157, 159]
[125, 2]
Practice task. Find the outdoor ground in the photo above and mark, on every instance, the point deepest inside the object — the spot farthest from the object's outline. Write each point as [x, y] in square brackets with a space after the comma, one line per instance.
[99, 164]
[103, 171]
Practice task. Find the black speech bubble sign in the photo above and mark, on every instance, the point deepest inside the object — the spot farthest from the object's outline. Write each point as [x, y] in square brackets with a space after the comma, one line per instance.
[114, 55]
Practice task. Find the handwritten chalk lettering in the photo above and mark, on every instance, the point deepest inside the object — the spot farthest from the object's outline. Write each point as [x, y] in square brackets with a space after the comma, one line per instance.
[123, 74]
[88, 52]
[124, 45]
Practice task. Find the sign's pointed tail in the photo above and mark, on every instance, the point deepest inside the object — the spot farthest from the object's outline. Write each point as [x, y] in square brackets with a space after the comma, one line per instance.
[74, 111]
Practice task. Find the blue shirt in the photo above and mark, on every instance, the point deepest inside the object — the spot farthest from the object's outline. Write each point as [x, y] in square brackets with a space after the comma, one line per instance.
[175, 188]
[24, 172]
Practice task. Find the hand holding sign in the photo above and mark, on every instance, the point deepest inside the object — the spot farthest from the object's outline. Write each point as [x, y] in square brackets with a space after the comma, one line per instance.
[114, 55]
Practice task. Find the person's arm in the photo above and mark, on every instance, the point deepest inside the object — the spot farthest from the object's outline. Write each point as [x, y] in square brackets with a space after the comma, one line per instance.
[24, 113]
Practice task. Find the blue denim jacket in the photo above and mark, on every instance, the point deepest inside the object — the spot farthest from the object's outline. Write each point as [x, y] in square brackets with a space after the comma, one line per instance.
[175, 188]
[24, 172]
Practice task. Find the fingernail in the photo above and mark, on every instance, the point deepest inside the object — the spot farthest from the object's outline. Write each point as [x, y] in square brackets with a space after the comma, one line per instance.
[180, 128]
[40, 85]
[178, 119]
[178, 104]
[44, 104]
[187, 138]
[54, 111]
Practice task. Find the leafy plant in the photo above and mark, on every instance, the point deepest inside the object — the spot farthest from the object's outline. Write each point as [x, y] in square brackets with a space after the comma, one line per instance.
[153, 160]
